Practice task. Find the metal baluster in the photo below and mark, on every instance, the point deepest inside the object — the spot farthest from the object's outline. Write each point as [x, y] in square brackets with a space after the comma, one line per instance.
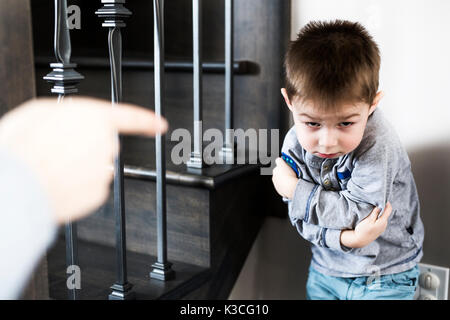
[228, 149]
[162, 269]
[114, 12]
[196, 160]
[64, 79]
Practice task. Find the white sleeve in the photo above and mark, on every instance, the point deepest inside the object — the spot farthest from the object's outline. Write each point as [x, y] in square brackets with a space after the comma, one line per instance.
[26, 225]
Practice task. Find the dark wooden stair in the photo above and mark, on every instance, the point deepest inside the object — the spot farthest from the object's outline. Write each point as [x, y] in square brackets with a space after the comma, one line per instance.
[213, 216]
[97, 274]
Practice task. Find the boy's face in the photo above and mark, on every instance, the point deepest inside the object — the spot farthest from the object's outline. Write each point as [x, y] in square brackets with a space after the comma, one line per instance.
[330, 134]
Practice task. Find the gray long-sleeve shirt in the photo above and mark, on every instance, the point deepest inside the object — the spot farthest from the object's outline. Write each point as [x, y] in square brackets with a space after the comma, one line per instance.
[336, 194]
[26, 225]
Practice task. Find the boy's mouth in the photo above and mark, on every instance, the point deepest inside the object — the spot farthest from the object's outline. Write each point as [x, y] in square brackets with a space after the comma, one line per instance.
[330, 155]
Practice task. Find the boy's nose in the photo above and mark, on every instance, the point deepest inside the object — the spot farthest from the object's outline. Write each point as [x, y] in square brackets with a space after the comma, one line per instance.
[328, 140]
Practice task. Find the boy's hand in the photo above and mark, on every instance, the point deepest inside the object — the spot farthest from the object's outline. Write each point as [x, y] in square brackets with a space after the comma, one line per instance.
[368, 230]
[284, 179]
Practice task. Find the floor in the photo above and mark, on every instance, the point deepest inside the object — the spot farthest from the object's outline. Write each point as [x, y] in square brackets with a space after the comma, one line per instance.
[277, 265]
[97, 276]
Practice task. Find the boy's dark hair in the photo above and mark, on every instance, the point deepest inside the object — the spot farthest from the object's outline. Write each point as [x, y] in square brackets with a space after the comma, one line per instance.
[331, 63]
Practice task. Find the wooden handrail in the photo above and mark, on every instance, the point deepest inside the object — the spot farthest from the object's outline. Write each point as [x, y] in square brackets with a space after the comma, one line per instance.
[240, 67]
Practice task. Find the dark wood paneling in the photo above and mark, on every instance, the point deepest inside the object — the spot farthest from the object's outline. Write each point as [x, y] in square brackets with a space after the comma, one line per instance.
[91, 39]
[187, 222]
[262, 31]
[16, 54]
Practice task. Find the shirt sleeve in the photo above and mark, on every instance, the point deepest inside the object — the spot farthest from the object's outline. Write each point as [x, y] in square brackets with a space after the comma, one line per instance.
[369, 186]
[26, 228]
[322, 237]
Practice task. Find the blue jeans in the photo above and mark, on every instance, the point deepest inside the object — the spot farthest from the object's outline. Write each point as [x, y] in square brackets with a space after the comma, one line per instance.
[398, 286]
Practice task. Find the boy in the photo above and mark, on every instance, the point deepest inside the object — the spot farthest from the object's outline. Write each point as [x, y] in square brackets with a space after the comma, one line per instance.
[350, 163]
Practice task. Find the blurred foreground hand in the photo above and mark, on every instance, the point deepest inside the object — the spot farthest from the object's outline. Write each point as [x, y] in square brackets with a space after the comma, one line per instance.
[71, 147]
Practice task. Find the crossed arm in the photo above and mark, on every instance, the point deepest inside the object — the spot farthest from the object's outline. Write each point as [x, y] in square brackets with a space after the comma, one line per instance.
[326, 226]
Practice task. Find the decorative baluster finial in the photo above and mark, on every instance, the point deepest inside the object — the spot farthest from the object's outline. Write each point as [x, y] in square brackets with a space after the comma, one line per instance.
[113, 12]
[64, 77]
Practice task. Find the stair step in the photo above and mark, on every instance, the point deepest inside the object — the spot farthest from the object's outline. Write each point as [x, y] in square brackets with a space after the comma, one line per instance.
[140, 163]
[207, 178]
[98, 264]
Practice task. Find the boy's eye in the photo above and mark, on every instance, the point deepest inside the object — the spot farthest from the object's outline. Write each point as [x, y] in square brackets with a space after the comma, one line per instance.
[346, 124]
[312, 124]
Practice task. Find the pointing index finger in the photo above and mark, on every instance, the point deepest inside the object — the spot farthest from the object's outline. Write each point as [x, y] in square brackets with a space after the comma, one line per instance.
[125, 118]
[129, 119]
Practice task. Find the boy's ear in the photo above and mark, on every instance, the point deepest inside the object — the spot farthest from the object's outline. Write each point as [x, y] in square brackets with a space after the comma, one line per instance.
[378, 97]
[286, 99]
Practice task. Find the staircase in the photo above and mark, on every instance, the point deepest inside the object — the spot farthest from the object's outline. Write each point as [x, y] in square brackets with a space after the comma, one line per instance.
[214, 213]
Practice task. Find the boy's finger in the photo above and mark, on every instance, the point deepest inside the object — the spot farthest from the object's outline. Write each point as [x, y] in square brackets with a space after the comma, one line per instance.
[129, 119]
[387, 211]
[278, 161]
[375, 212]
